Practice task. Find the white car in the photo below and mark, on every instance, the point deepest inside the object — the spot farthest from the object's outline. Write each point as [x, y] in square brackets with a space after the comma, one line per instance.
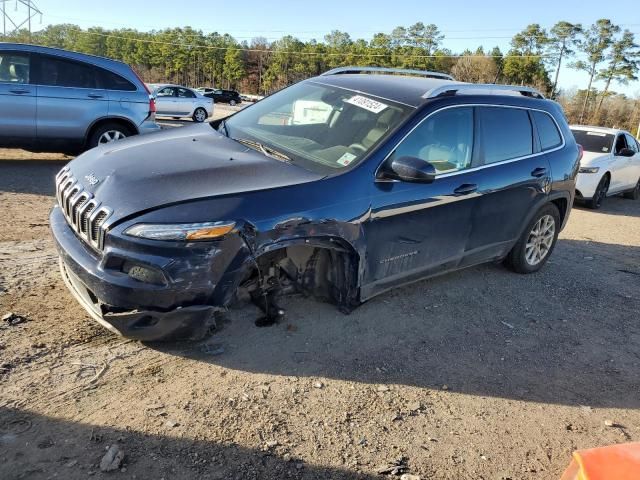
[609, 166]
[178, 102]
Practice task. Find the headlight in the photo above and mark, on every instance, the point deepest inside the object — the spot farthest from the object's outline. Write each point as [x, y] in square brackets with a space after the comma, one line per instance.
[180, 231]
[589, 169]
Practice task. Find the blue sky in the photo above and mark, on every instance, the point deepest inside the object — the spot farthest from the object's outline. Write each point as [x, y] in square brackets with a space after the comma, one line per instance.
[487, 22]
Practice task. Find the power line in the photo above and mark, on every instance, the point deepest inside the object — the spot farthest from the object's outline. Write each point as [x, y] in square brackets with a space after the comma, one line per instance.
[342, 54]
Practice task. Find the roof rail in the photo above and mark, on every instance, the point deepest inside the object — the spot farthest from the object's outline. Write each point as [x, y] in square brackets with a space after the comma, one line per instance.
[421, 73]
[489, 88]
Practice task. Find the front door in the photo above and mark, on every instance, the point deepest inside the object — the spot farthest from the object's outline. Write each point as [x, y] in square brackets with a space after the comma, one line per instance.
[166, 101]
[17, 99]
[418, 229]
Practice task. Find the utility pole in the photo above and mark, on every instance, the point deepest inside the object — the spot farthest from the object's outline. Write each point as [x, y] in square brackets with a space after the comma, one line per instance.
[20, 18]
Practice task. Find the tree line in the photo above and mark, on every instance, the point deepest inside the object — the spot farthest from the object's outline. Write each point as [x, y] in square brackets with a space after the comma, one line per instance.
[606, 52]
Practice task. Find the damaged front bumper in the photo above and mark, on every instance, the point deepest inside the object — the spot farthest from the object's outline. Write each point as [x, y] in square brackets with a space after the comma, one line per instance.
[146, 325]
[195, 285]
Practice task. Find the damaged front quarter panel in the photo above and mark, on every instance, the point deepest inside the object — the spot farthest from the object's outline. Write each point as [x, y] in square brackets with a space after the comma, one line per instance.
[299, 255]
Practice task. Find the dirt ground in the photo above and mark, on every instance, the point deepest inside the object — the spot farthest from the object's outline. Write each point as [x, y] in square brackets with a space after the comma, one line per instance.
[480, 374]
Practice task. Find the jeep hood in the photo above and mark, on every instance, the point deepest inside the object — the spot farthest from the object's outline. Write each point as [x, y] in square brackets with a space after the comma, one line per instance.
[150, 171]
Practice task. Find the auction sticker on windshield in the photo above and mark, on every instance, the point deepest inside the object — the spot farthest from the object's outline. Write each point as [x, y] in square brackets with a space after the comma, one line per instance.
[346, 159]
[366, 103]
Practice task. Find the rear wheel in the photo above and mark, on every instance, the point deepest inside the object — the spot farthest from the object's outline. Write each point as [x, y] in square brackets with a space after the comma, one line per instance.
[200, 115]
[538, 240]
[635, 193]
[600, 194]
[107, 133]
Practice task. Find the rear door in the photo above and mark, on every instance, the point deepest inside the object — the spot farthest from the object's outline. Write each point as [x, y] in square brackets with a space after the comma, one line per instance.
[70, 98]
[185, 100]
[515, 176]
[17, 99]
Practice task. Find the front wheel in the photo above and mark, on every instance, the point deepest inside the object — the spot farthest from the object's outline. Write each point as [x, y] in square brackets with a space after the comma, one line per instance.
[600, 194]
[536, 243]
[233, 103]
[635, 193]
[200, 115]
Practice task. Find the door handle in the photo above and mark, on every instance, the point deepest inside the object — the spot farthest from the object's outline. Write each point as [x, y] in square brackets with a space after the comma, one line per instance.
[19, 91]
[95, 95]
[466, 189]
[539, 172]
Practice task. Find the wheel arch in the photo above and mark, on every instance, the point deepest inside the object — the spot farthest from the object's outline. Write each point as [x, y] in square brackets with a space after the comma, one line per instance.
[103, 120]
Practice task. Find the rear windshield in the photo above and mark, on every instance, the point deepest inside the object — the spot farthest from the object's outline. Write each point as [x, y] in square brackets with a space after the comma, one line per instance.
[320, 126]
[599, 142]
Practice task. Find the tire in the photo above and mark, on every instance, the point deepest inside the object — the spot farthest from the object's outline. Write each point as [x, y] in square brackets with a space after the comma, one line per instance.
[600, 194]
[107, 133]
[233, 103]
[633, 194]
[199, 115]
[532, 250]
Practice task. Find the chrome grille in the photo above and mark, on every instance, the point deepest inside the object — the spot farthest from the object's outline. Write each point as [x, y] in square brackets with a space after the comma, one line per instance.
[85, 214]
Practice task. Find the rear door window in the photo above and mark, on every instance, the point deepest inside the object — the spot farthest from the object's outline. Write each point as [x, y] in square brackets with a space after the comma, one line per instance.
[15, 67]
[505, 133]
[547, 131]
[185, 93]
[58, 72]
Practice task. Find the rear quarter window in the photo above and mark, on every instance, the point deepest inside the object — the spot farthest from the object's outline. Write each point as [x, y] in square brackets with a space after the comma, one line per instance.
[550, 137]
[505, 133]
[113, 81]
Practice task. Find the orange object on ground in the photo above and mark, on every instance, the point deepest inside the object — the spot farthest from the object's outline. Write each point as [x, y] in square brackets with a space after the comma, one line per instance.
[615, 462]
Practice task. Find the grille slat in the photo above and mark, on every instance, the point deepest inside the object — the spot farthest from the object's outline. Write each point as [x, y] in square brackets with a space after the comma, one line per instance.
[85, 215]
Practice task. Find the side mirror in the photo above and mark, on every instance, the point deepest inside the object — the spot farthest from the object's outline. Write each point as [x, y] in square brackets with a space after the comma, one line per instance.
[626, 152]
[411, 169]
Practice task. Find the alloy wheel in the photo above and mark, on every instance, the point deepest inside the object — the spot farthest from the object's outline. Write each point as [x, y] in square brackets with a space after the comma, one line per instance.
[540, 240]
[110, 136]
[200, 115]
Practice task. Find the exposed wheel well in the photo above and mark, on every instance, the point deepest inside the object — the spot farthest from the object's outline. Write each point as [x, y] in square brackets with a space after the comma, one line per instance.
[118, 121]
[326, 272]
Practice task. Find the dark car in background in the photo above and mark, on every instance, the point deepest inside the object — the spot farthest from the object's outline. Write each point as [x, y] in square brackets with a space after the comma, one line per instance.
[61, 101]
[221, 96]
[341, 186]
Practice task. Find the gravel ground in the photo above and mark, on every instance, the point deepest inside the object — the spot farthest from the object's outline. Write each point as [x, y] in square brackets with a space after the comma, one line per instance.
[481, 374]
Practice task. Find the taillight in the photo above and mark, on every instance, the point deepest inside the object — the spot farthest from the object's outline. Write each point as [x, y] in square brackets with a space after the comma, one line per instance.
[152, 101]
[580, 152]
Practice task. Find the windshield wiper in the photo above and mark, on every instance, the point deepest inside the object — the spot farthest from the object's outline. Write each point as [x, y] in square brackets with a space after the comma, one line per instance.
[268, 151]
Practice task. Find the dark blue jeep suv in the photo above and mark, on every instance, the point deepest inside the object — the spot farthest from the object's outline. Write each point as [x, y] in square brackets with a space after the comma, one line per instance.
[341, 186]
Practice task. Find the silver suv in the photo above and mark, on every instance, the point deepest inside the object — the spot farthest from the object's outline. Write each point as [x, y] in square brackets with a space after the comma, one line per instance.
[61, 101]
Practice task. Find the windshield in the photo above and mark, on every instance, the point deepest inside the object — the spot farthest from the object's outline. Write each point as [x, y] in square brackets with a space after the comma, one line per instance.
[599, 142]
[319, 126]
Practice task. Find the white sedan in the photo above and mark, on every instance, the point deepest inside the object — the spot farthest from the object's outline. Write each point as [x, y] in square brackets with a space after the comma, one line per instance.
[609, 166]
[178, 102]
